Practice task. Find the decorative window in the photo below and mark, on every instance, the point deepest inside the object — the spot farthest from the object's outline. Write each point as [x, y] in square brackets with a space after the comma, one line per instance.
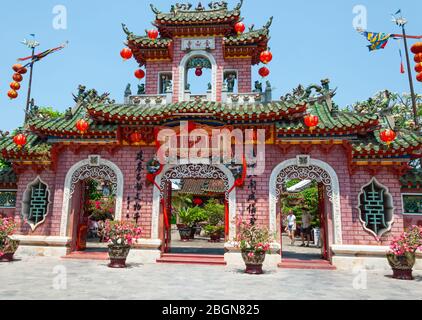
[7, 199]
[376, 208]
[165, 82]
[36, 200]
[412, 204]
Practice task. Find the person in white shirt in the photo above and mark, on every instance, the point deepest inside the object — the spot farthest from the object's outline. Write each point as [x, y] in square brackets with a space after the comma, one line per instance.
[306, 228]
[291, 226]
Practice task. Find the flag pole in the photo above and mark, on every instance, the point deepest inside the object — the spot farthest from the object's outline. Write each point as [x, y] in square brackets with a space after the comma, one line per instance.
[401, 22]
[31, 44]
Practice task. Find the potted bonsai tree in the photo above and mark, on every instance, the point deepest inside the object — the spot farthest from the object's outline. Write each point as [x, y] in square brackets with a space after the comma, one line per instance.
[8, 246]
[402, 256]
[254, 243]
[121, 236]
[215, 225]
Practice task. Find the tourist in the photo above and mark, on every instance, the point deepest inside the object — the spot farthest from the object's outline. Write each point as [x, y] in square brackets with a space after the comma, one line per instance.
[306, 228]
[291, 226]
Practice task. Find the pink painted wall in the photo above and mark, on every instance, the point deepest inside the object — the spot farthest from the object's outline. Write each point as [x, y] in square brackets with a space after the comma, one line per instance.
[243, 67]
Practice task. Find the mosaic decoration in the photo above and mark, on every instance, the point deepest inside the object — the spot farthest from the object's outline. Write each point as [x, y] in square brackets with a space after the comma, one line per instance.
[376, 208]
[8, 199]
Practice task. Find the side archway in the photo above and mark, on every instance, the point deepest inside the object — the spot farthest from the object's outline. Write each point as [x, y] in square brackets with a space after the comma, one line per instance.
[93, 167]
[183, 72]
[314, 169]
[201, 171]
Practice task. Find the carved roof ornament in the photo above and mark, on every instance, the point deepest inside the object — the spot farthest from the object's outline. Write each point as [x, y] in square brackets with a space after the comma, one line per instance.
[200, 7]
[126, 30]
[239, 6]
[269, 23]
[322, 93]
[91, 96]
[154, 9]
[218, 5]
[182, 7]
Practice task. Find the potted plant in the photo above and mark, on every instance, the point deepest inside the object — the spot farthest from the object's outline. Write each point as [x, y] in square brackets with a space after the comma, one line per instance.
[215, 223]
[197, 215]
[402, 256]
[254, 243]
[8, 246]
[184, 226]
[121, 236]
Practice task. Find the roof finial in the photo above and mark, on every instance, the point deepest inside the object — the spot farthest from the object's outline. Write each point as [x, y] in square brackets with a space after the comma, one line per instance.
[154, 9]
[126, 30]
[269, 23]
[239, 6]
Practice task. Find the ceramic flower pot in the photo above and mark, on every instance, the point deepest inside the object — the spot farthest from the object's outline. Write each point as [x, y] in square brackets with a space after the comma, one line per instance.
[9, 251]
[402, 265]
[253, 261]
[185, 233]
[118, 255]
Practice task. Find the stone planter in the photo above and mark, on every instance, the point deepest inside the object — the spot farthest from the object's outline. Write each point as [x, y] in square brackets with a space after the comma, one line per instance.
[118, 255]
[402, 265]
[9, 251]
[253, 264]
[185, 233]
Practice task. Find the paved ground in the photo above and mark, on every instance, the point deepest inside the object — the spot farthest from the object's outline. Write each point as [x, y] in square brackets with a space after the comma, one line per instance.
[48, 278]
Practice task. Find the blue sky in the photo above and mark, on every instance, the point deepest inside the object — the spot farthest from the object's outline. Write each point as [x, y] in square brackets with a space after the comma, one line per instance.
[311, 40]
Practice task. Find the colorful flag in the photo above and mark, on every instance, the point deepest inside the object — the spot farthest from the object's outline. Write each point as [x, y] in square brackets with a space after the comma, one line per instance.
[377, 40]
[41, 55]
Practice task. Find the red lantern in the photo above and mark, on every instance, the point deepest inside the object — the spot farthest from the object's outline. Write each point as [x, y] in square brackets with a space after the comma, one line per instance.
[153, 34]
[17, 77]
[266, 57]
[135, 137]
[140, 74]
[416, 48]
[15, 85]
[198, 202]
[418, 58]
[191, 126]
[126, 54]
[198, 72]
[12, 94]
[20, 140]
[311, 121]
[16, 67]
[239, 28]
[388, 136]
[418, 67]
[419, 77]
[22, 70]
[264, 72]
[82, 126]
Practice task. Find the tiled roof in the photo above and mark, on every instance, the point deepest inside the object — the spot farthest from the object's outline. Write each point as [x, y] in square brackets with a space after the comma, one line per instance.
[7, 177]
[34, 148]
[247, 37]
[202, 186]
[198, 17]
[203, 109]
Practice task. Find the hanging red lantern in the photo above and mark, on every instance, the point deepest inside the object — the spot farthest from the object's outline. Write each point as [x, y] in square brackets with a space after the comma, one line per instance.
[140, 74]
[416, 48]
[17, 77]
[126, 54]
[311, 121]
[23, 70]
[264, 72]
[12, 94]
[418, 58]
[419, 77]
[20, 140]
[153, 34]
[198, 202]
[16, 67]
[239, 28]
[135, 137]
[418, 67]
[15, 85]
[198, 72]
[266, 57]
[388, 136]
[82, 126]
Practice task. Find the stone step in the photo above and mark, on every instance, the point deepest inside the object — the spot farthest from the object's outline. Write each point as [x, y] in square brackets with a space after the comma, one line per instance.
[192, 259]
[306, 264]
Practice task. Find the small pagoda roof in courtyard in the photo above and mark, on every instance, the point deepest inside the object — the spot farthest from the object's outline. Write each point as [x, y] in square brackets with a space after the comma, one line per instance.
[202, 187]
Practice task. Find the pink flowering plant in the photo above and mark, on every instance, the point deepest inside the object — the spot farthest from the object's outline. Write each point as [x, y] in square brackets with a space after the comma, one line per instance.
[254, 240]
[408, 242]
[7, 228]
[121, 233]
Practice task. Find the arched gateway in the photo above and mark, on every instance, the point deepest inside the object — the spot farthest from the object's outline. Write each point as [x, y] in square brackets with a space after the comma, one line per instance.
[97, 168]
[304, 167]
[194, 171]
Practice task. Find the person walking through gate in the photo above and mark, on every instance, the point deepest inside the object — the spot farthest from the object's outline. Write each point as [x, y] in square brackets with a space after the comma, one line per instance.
[306, 228]
[291, 226]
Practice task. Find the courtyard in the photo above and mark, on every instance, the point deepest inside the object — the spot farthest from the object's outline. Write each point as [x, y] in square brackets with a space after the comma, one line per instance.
[51, 278]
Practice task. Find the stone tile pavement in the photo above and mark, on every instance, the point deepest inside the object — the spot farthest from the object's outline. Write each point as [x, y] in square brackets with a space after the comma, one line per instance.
[51, 278]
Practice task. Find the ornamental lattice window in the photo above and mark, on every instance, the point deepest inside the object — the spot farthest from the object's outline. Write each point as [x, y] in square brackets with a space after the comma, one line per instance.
[376, 208]
[36, 202]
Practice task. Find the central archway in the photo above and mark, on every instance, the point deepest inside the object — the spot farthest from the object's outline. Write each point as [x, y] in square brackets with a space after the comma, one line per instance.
[200, 171]
[314, 170]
